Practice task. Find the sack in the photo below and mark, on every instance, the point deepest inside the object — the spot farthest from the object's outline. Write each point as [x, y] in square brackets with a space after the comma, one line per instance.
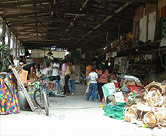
[108, 89]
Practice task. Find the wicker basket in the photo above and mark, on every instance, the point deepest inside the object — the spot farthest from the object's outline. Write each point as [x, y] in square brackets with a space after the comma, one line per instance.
[150, 120]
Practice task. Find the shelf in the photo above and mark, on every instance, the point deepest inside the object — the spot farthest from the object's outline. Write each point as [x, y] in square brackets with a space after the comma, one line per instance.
[141, 74]
[139, 49]
[141, 65]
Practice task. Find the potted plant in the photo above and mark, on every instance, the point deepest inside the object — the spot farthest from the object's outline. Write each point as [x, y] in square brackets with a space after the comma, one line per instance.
[4, 57]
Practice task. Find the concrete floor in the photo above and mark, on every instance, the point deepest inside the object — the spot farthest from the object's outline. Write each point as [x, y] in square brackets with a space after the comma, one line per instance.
[71, 116]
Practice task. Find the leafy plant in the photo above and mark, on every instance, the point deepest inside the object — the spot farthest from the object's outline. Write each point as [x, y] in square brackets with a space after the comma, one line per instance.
[4, 57]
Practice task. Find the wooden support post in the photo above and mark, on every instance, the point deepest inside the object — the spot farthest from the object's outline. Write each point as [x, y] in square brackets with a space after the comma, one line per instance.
[118, 31]
[3, 31]
[16, 47]
[9, 38]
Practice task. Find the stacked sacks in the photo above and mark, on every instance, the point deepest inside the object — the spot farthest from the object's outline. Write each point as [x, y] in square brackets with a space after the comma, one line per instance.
[152, 111]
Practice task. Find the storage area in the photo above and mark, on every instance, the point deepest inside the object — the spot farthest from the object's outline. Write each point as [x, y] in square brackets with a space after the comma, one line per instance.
[79, 58]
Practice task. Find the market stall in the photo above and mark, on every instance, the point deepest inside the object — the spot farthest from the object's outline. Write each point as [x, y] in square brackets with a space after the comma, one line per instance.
[145, 107]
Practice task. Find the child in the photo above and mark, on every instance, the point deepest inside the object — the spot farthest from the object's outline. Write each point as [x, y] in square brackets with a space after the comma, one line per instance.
[93, 84]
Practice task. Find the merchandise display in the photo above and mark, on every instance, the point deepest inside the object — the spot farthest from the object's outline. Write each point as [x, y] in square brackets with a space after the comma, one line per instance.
[151, 108]
[146, 107]
[8, 95]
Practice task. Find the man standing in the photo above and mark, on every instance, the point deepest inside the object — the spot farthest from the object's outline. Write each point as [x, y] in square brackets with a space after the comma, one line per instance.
[72, 79]
[31, 68]
[67, 77]
[55, 74]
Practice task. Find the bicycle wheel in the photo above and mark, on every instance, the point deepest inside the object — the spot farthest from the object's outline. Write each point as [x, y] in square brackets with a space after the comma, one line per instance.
[45, 103]
[38, 98]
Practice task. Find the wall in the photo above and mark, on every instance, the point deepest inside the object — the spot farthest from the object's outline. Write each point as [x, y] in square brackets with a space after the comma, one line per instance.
[40, 54]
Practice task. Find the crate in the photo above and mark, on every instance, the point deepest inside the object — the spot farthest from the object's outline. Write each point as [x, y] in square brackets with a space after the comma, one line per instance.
[136, 89]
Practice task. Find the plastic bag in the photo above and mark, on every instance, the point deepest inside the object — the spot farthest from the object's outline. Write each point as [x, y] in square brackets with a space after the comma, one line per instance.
[108, 89]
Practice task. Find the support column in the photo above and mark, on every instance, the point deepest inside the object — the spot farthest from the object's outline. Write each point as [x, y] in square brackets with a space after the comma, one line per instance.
[1, 24]
[18, 49]
[14, 47]
[3, 31]
[9, 38]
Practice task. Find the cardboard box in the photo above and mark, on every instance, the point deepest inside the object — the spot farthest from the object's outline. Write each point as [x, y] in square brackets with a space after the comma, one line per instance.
[161, 3]
[139, 84]
[131, 83]
[23, 76]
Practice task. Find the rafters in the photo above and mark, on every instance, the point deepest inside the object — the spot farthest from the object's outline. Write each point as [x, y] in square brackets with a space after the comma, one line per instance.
[64, 22]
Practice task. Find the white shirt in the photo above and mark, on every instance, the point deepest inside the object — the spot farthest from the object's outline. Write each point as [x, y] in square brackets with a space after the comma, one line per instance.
[45, 71]
[55, 71]
[93, 76]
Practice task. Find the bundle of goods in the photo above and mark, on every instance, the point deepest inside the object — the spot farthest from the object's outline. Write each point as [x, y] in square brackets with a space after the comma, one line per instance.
[115, 111]
[152, 111]
[132, 82]
[124, 42]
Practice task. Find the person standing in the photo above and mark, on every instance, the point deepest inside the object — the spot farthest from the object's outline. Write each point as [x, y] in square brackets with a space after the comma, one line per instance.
[88, 70]
[31, 68]
[67, 77]
[55, 74]
[72, 79]
[93, 84]
[103, 79]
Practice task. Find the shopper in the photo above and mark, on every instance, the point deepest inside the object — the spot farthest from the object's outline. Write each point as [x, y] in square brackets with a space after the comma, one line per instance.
[93, 84]
[45, 71]
[67, 77]
[88, 71]
[31, 68]
[55, 74]
[72, 79]
[103, 79]
[38, 72]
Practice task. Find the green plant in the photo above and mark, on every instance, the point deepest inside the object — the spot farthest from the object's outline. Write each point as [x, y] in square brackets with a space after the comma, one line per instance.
[4, 57]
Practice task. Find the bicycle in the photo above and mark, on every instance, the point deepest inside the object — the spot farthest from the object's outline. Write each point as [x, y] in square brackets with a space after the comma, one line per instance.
[41, 94]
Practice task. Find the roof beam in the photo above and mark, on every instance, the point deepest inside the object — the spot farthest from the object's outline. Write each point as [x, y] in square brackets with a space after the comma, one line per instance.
[108, 18]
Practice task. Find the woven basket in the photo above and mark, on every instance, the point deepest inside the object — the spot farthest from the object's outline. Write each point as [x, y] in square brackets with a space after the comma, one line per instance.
[160, 114]
[150, 120]
[154, 98]
[130, 112]
[155, 85]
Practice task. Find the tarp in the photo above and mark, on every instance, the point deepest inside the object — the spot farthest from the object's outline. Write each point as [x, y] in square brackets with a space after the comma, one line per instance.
[115, 112]
[9, 95]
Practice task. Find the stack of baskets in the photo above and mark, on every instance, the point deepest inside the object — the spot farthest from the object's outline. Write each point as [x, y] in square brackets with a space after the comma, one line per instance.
[152, 112]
